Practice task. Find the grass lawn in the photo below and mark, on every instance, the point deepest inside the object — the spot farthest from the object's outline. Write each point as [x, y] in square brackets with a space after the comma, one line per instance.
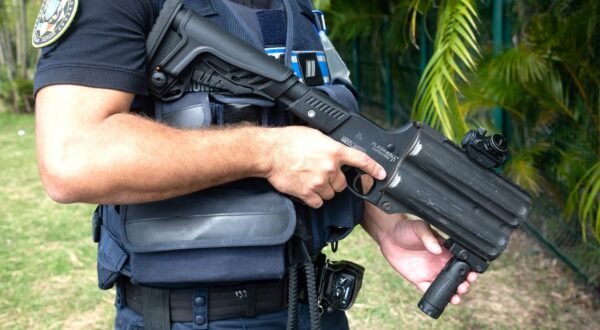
[48, 280]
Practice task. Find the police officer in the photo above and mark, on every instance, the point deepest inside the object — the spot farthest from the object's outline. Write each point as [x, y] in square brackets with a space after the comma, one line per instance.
[93, 146]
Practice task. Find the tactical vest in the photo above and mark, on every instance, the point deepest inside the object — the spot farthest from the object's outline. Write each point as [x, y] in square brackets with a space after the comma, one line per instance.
[237, 231]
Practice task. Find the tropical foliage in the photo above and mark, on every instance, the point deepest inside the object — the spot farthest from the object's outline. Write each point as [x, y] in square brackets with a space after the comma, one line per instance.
[455, 42]
[546, 82]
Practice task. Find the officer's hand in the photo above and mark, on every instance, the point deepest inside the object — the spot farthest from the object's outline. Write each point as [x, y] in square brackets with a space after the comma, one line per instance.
[306, 164]
[416, 253]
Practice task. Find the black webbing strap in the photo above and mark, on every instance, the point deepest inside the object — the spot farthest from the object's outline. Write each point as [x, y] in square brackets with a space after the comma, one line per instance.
[251, 296]
[155, 304]
[224, 302]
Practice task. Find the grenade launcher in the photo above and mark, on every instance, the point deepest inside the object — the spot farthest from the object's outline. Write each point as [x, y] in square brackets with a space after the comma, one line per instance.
[454, 189]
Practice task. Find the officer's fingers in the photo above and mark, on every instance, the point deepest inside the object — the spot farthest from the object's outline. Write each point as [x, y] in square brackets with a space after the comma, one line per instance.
[424, 233]
[313, 200]
[455, 300]
[326, 192]
[463, 288]
[423, 286]
[338, 182]
[362, 161]
[472, 277]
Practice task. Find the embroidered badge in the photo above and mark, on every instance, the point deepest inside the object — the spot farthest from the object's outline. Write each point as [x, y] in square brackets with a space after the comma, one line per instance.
[54, 18]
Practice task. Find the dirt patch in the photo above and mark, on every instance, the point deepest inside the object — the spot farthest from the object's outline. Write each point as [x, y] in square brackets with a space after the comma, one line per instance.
[530, 289]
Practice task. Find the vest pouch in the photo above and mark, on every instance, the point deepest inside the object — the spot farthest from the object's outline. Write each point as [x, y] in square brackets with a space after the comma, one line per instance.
[335, 219]
[230, 233]
[190, 111]
[111, 259]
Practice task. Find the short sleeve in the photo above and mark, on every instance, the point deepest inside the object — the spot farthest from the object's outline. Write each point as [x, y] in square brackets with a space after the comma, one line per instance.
[103, 47]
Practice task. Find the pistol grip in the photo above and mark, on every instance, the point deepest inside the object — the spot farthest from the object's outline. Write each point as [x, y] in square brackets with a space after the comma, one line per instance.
[444, 287]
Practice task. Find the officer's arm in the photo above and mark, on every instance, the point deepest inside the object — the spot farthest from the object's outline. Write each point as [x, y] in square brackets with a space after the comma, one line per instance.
[91, 149]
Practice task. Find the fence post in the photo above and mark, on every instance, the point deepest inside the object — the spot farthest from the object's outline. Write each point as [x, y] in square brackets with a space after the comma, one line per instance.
[507, 39]
[497, 17]
[423, 46]
[388, 87]
[356, 66]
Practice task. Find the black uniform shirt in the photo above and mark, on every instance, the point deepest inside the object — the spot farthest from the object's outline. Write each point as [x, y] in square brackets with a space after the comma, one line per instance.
[104, 47]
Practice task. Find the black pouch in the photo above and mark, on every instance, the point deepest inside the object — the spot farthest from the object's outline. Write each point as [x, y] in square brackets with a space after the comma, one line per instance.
[229, 233]
[112, 258]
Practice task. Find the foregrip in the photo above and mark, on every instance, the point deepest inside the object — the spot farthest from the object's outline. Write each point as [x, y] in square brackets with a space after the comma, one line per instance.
[442, 289]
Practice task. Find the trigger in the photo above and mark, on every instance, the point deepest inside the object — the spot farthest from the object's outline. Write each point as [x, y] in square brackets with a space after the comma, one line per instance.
[353, 178]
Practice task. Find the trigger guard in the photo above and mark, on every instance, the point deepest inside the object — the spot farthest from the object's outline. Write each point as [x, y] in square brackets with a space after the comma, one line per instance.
[355, 185]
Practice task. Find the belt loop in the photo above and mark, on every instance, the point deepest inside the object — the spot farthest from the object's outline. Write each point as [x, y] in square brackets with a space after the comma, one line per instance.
[264, 116]
[156, 309]
[217, 113]
[251, 299]
[200, 309]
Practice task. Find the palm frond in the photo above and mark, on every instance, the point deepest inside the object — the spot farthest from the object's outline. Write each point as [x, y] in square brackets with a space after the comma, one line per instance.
[523, 83]
[455, 47]
[519, 64]
[571, 167]
[321, 4]
[522, 170]
[551, 94]
[584, 200]
[362, 19]
[380, 21]
[416, 7]
[485, 92]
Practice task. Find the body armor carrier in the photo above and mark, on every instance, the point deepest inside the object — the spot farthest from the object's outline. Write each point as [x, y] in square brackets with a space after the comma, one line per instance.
[238, 231]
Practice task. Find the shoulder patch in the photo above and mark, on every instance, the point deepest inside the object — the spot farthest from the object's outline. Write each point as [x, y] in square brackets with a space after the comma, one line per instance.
[54, 18]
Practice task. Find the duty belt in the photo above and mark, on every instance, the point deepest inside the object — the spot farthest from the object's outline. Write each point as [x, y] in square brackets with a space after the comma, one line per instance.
[224, 302]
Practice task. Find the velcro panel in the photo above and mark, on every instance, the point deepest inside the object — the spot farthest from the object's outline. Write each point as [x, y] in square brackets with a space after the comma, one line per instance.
[272, 26]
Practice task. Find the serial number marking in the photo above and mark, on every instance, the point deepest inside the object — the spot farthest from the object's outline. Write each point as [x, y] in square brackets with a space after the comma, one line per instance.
[383, 152]
[347, 141]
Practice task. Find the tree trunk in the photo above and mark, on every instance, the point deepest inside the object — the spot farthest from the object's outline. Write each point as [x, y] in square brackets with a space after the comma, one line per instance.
[14, 48]
[21, 38]
[2, 50]
[7, 53]
[9, 67]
